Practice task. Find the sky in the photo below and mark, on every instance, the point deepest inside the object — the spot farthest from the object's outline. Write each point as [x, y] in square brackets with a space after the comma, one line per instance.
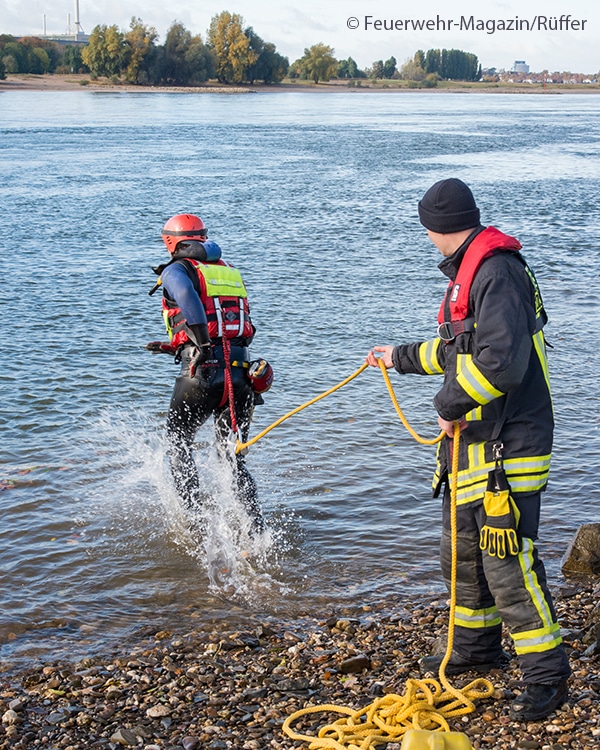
[562, 36]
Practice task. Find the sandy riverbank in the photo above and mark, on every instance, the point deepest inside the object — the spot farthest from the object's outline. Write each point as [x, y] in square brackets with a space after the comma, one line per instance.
[233, 690]
[83, 82]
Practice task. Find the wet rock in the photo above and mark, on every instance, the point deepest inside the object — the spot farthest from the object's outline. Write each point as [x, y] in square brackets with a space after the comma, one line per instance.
[158, 711]
[355, 664]
[124, 736]
[190, 743]
[57, 717]
[583, 553]
[592, 650]
[10, 717]
[297, 685]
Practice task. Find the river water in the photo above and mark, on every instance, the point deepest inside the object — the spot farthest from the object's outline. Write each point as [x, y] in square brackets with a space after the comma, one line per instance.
[313, 196]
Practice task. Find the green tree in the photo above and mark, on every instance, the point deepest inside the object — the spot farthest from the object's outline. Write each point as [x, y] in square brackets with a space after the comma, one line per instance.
[456, 65]
[140, 39]
[39, 61]
[2, 70]
[419, 59]
[15, 57]
[389, 67]
[349, 69]
[317, 63]
[71, 59]
[186, 59]
[10, 64]
[376, 70]
[106, 52]
[45, 59]
[232, 47]
[269, 66]
[432, 61]
[177, 43]
[411, 71]
[200, 61]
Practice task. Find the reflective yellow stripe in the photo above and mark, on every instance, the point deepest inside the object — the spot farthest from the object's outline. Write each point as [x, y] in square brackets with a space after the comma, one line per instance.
[540, 348]
[535, 641]
[548, 636]
[531, 583]
[221, 281]
[473, 382]
[528, 474]
[428, 352]
[475, 415]
[476, 618]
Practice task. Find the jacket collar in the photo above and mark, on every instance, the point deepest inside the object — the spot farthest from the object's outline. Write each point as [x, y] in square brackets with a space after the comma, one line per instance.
[450, 265]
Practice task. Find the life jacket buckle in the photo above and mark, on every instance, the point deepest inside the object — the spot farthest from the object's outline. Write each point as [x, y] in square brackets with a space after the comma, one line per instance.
[446, 332]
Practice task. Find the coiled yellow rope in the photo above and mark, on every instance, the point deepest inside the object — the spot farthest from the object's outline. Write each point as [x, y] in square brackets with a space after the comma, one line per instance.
[426, 704]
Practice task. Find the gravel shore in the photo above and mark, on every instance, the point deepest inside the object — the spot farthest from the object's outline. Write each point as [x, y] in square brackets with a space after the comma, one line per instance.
[221, 690]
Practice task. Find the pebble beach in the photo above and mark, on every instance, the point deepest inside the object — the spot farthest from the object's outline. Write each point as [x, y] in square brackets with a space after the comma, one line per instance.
[222, 690]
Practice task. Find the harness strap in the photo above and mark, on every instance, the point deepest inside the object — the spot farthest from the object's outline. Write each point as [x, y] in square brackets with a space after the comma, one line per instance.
[449, 330]
[228, 390]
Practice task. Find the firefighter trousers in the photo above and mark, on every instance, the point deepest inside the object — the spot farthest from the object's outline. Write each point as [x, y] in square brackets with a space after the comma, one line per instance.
[514, 591]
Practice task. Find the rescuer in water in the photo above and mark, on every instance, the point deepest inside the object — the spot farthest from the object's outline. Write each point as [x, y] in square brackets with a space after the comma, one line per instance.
[491, 351]
[207, 316]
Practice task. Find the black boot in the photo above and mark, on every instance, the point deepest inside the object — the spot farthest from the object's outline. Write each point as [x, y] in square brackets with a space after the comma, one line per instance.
[458, 664]
[537, 701]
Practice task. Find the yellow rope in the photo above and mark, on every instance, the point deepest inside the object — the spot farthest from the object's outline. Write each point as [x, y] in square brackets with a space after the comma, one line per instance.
[426, 704]
[239, 446]
[390, 388]
[242, 446]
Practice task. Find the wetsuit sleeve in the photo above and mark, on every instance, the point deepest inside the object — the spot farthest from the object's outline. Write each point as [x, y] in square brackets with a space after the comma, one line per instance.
[180, 288]
[422, 358]
[505, 321]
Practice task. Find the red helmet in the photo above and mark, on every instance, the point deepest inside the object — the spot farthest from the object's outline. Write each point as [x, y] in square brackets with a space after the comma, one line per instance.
[183, 227]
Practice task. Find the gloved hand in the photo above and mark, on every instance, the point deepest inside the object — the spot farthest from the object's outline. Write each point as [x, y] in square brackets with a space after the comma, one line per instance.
[198, 334]
[201, 355]
[164, 347]
[498, 535]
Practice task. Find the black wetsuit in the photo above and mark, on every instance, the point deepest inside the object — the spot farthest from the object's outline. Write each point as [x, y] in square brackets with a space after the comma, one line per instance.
[196, 398]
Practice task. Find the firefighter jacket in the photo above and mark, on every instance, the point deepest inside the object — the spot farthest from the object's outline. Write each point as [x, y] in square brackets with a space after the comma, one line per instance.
[495, 369]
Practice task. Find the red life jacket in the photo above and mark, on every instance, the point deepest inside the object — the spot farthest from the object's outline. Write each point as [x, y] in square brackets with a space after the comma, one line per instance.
[224, 296]
[454, 310]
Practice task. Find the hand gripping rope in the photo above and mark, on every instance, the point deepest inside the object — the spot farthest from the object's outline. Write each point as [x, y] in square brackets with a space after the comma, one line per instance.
[427, 704]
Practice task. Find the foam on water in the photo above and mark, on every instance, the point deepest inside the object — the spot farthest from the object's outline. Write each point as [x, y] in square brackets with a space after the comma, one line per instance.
[138, 493]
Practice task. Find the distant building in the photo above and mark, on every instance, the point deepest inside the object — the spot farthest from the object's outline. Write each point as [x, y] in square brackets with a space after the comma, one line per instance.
[78, 38]
[520, 66]
[72, 36]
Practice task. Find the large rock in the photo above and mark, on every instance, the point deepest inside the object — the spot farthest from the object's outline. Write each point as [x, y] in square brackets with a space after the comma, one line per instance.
[583, 554]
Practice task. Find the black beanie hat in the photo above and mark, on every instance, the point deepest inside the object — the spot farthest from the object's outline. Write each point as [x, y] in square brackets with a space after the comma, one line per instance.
[448, 206]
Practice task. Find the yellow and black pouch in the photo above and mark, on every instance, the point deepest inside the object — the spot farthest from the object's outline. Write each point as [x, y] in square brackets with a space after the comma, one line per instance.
[499, 536]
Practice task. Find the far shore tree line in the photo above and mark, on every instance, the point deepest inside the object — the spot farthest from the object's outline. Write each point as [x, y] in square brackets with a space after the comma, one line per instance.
[232, 53]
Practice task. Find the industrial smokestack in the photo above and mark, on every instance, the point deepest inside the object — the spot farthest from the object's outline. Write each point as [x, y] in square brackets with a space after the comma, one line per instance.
[78, 27]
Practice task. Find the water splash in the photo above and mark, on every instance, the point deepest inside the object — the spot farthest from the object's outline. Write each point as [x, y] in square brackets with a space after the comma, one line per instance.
[238, 563]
